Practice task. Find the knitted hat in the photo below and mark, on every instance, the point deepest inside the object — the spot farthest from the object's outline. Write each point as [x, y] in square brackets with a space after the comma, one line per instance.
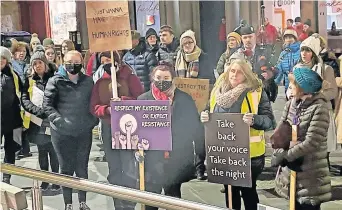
[313, 42]
[135, 34]
[236, 36]
[150, 32]
[48, 41]
[34, 38]
[307, 22]
[246, 30]
[298, 20]
[189, 34]
[308, 80]
[5, 53]
[39, 48]
[291, 32]
[38, 55]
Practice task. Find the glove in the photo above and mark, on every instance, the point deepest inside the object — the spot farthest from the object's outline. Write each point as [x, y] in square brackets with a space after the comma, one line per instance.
[139, 157]
[296, 164]
[278, 158]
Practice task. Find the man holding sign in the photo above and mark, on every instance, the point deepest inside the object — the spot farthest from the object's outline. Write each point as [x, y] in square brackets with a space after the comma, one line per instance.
[238, 90]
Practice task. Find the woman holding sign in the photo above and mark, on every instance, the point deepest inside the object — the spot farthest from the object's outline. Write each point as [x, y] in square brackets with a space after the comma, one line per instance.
[169, 170]
[309, 111]
[238, 90]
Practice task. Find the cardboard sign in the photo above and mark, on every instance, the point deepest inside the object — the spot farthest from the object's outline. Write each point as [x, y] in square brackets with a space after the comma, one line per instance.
[141, 124]
[108, 25]
[197, 88]
[227, 148]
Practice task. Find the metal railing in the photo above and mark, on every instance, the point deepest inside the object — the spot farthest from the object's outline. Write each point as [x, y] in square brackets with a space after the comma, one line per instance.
[150, 199]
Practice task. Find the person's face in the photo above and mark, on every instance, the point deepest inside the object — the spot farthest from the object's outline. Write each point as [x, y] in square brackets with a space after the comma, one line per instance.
[72, 58]
[65, 48]
[3, 63]
[289, 40]
[306, 55]
[20, 54]
[249, 41]
[39, 67]
[305, 27]
[297, 23]
[166, 37]
[223, 20]
[188, 45]
[50, 54]
[289, 23]
[236, 75]
[105, 60]
[294, 91]
[162, 76]
[232, 42]
[35, 44]
[152, 40]
[135, 43]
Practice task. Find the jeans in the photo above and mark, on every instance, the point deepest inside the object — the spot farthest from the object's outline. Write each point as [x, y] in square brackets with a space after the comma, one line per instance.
[249, 194]
[118, 162]
[73, 157]
[46, 152]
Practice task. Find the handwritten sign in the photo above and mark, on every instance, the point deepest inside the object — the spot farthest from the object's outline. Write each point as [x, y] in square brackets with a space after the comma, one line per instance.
[227, 147]
[141, 124]
[197, 88]
[336, 5]
[108, 25]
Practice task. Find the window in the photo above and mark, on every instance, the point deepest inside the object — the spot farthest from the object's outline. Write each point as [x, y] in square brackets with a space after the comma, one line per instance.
[334, 13]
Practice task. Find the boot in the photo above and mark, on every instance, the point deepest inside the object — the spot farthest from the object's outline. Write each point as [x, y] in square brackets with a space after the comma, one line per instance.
[83, 206]
[68, 207]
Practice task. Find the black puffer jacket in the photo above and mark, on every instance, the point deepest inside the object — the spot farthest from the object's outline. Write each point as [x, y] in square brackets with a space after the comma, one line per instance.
[169, 52]
[142, 61]
[10, 104]
[330, 59]
[67, 104]
[30, 107]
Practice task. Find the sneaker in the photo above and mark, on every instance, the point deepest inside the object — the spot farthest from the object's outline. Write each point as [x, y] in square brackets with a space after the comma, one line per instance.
[55, 187]
[44, 186]
[83, 206]
[68, 207]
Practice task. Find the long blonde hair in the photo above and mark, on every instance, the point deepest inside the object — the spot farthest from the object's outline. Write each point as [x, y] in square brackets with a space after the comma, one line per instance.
[254, 83]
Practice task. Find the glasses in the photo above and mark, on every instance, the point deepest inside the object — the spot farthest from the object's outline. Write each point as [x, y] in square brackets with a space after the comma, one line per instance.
[71, 63]
[188, 43]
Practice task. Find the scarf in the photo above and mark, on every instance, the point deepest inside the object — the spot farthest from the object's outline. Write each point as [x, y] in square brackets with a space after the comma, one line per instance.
[166, 95]
[187, 64]
[226, 97]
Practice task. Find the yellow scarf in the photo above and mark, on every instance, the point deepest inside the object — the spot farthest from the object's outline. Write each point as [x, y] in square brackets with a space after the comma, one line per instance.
[187, 63]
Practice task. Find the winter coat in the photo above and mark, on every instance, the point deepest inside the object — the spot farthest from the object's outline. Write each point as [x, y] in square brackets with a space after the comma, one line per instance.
[330, 59]
[154, 49]
[338, 108]
[288, 58]
[33, 109]
[130, 88]
[20, 67]
[186, 128]
[142, 61]
[169, 52]
[313, 182]
[223, 60]
[67, 104]
[10, 103]
[93, 64]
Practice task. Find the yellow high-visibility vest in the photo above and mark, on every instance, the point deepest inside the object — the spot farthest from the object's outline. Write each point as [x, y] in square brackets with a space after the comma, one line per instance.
[27, 115]
[257, 137]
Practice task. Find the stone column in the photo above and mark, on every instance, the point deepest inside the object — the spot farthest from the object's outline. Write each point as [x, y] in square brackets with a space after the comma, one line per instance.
[232, 15]
[245, 11]
[308, 10]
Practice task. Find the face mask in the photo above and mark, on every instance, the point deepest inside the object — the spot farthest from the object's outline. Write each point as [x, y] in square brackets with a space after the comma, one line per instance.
[163, 85]
[107, 67]
[73, 68]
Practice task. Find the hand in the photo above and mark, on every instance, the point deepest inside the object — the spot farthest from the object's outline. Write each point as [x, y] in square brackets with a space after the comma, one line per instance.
[123, 141]
[139, 157]
[267, 75]
[145, 144]
[248, 118]
[116, 99]
[128, 126]
[278, 158]
[134, 141]
[204, 116]
[109, 110]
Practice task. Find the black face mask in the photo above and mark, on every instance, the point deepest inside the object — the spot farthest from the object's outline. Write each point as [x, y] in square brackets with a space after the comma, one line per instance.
[163, 85]
[73, 68]
[106, 67]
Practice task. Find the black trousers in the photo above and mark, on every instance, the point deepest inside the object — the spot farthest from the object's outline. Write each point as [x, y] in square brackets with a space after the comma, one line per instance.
[173, 190]
[25, 148]
[11, 147]
[249, 195]
[200, 156]
[73, 157]
[46, 154]
[117, 174]
[299, 206]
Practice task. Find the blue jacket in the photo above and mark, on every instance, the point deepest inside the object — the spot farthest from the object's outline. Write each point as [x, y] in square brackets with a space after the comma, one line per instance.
[287, 60]
[20, 67]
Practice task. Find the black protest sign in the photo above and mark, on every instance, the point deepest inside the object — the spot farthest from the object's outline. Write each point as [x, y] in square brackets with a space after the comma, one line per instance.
[227, 148]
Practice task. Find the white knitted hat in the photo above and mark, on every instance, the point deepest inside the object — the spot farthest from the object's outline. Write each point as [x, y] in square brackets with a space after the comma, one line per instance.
[4, 52]
[313, 42]
[189, 34]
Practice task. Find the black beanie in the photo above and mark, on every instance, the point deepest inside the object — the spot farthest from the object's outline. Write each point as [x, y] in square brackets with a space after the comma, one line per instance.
[150, 32]
[307, 22]
[298, 20]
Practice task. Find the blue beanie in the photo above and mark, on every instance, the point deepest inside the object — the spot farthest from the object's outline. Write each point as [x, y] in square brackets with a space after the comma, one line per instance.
[308, 80]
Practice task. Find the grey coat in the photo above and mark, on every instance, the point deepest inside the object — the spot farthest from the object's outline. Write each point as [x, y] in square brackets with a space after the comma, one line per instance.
[313, 183]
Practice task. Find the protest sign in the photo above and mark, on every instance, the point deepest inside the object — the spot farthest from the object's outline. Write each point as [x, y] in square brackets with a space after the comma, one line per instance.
[108, 25]
[141, 124]
[227, 148]
[198, 89]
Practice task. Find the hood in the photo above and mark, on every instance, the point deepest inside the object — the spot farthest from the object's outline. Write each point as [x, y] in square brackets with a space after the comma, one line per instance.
[293, 47]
